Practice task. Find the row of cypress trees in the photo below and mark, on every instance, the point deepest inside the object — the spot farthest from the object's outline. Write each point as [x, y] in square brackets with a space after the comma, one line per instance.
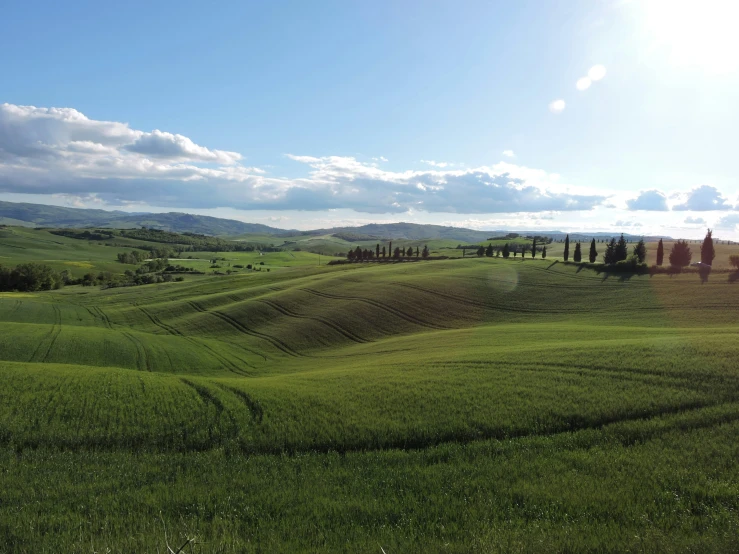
[359, 254]
[617, 251]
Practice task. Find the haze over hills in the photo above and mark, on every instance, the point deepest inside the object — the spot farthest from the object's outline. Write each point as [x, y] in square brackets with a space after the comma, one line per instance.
[41, 215]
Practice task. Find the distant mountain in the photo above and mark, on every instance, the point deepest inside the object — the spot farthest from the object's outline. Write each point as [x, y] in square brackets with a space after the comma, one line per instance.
[414, 231]
[408, 231]
[40, 215]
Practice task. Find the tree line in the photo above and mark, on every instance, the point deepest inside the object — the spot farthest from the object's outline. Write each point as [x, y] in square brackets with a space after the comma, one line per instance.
[32, 277]
[507, 249]
[380, 253]
[616, 252]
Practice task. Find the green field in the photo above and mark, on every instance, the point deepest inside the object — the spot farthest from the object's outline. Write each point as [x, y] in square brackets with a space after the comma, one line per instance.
[477, 405]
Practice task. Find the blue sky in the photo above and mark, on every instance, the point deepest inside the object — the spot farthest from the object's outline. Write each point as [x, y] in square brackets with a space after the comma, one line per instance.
[309, 114]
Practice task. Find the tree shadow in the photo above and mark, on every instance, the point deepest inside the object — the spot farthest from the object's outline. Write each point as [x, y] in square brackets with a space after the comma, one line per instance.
[734, 277]
[704, 273]
[555, 262]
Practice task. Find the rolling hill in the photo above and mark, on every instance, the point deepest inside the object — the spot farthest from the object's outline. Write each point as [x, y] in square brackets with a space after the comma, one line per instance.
[40, 215]
[446, 405]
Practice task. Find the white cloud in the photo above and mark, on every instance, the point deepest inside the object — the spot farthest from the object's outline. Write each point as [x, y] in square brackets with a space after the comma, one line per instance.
[380, 159]
[62, 152]
[597, 72]
[509, 154]
[557, 106]
[652, 200]
[432, 163]
[158, 144]
[728, 223]
[627, 224]
[695, 221]
[583, 83]
[702, 199]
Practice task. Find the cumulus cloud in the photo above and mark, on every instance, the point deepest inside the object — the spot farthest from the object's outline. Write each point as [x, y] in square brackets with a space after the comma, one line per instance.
[61, 151]
[728, 223]
[695, 221]
[158, 144]
[702, 199]
[652, 200]
[509, 153]
[627, 224]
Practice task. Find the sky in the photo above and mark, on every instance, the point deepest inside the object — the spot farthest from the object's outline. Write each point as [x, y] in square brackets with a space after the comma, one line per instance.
[580, 115]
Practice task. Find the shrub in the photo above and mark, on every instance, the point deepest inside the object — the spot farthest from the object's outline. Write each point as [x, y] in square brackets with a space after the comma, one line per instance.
[734, 260]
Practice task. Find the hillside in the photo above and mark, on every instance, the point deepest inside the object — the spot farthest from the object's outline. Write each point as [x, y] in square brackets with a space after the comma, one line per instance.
[509, 401]
[40, 215]
[53, 216]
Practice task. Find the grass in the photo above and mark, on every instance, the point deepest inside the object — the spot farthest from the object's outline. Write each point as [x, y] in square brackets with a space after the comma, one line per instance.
[458, 405]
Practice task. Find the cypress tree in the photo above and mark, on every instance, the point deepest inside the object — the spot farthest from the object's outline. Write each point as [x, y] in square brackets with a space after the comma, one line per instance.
[377, 250]
[708, 252]
[593, 252]
[660, 252]
[417, 251]
[610, 256]
[640, 251]
[384, 254]
[533, 249]
[489, 251]
[390, 249]
[578, 253]
[506, 250]
[680, 255]
[481, 251]
[622, 251]
[425, 252]
[567, 248]
[544, 253]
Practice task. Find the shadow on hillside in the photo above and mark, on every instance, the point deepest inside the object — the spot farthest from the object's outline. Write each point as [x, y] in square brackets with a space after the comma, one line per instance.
[734, 277]
[555, 262]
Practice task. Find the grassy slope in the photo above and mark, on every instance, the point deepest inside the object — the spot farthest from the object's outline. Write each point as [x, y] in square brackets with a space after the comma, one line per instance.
[479, 404]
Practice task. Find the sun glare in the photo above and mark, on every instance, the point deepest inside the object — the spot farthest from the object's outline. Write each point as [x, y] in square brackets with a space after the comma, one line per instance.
[696, 33]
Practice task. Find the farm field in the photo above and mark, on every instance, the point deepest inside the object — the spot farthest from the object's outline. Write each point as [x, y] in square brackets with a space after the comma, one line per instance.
[476, 405]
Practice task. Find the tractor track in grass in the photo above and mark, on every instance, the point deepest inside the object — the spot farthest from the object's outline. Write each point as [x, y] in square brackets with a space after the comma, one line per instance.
[558, 311]
[208, 398]
[657, 378]
[277, 343]
[397, 313]
[344, 332]
[105, 317]
[474, 434]
[469, 302]
[142, 359]
[173, 331]
[255, 408]
[44, 346]
[16, 306]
